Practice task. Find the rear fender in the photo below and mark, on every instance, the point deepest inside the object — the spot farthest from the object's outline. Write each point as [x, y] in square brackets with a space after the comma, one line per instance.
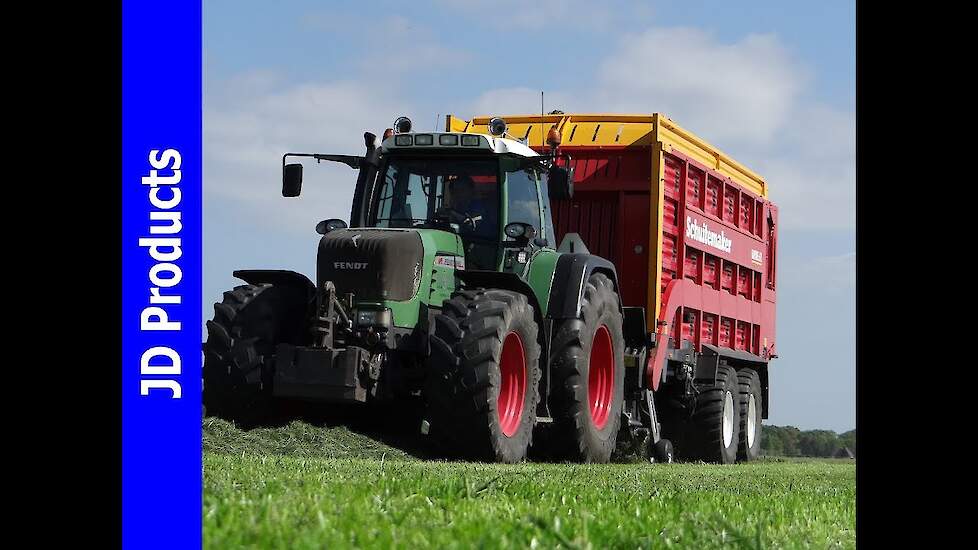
[570, 279]
[765, 393]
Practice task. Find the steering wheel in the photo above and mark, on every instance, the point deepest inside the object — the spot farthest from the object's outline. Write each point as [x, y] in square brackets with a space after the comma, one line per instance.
[455, 216]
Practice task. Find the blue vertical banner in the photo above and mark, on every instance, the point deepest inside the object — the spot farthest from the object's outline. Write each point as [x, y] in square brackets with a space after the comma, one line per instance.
[161, 274]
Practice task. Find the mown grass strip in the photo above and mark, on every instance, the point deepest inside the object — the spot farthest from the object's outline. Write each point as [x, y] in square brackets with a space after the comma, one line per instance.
[303, 486]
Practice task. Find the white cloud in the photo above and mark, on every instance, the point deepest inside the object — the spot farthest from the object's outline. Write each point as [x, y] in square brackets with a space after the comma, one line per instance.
[812, 168]
[741, 90]
[247, 129]
[746, 97]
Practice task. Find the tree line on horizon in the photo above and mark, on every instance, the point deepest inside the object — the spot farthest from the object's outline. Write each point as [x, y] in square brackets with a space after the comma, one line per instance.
[790, 441]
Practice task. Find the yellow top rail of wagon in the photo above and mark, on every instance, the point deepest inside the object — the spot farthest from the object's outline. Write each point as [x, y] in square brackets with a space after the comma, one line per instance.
[610, 130]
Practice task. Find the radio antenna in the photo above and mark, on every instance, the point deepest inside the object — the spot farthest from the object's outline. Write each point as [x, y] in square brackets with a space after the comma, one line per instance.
[542, 138]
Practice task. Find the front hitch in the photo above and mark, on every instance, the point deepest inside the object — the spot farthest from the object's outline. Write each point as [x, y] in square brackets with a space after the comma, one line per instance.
[331, 316]
[332, 369]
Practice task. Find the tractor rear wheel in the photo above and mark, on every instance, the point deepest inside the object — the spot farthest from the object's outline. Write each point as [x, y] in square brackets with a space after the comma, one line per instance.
[589, 377]
[715, 425]
[248, 324]
[482, 390]
[749, 384]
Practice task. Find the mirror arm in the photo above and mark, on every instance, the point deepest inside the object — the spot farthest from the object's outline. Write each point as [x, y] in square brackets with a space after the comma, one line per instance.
[542, 161]
[545, 161]
[352, 161]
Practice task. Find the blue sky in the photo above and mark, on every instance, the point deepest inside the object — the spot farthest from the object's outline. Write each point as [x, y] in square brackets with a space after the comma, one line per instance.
[772, 83]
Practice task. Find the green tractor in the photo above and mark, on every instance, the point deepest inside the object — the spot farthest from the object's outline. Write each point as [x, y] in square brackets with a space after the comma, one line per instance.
[447, 286]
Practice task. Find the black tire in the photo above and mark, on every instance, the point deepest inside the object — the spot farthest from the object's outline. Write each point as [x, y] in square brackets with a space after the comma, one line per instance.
[711, 440]
[577, 433]
[475, 351]
[749, 385]
[248, 324]
[662, 452]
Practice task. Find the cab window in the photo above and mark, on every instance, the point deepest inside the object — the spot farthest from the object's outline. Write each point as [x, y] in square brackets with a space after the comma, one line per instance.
[548, 220]
[522, 199]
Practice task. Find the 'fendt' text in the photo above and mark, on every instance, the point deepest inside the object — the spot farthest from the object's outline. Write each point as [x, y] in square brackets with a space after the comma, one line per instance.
[349, 265]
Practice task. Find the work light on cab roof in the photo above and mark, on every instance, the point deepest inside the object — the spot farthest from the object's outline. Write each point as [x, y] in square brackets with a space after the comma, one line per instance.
[497, 126]
[402, 125]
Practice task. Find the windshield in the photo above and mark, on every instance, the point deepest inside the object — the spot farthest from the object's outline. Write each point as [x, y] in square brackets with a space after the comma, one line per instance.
[418, 192]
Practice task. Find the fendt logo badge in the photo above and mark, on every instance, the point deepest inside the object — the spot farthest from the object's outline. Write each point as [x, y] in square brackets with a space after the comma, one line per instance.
[702, 234]
[354, 239]
[350, 265]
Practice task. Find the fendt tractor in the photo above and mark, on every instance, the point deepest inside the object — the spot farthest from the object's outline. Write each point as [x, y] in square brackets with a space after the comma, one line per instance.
[579, 280]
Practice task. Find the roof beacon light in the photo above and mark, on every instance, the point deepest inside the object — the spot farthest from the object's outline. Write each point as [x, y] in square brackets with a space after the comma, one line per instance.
[497, 126]
[402, 125]
[553, 136]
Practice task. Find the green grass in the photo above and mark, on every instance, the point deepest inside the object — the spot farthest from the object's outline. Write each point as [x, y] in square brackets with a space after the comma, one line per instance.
[305, 486]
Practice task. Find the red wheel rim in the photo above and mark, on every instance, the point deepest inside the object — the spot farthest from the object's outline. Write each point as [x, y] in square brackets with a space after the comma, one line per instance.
[601, 377]
[512, 384]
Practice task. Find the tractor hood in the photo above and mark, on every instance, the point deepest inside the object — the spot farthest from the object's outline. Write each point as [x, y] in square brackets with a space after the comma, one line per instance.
[374, 264]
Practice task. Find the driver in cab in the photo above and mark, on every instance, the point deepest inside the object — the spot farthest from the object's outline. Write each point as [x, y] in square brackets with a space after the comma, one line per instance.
[472, 213]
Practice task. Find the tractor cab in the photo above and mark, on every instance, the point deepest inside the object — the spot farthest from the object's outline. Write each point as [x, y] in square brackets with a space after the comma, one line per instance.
[491, 192]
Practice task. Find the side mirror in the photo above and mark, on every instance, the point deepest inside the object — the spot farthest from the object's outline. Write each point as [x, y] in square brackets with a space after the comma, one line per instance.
[291, 180]
[560, 182]
[331, 224]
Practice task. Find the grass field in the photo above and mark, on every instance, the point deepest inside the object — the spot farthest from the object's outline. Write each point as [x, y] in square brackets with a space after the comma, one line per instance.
[305, 485]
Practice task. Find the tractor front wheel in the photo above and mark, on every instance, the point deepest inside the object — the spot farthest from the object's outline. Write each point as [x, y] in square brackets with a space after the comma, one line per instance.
[482, 390]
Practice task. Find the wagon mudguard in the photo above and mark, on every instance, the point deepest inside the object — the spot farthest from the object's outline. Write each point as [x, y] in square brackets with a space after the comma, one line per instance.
[709, 360]
[278, 277]
[570, 276]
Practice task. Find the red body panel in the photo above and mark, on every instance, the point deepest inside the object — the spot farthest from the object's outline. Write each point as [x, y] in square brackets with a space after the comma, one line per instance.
[718, 283]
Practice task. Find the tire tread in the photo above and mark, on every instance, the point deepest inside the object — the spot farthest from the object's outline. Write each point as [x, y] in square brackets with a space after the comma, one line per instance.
[466, 343]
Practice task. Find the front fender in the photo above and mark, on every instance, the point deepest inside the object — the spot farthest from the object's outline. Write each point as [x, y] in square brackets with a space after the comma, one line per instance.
[278, 277]
[502, 280]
